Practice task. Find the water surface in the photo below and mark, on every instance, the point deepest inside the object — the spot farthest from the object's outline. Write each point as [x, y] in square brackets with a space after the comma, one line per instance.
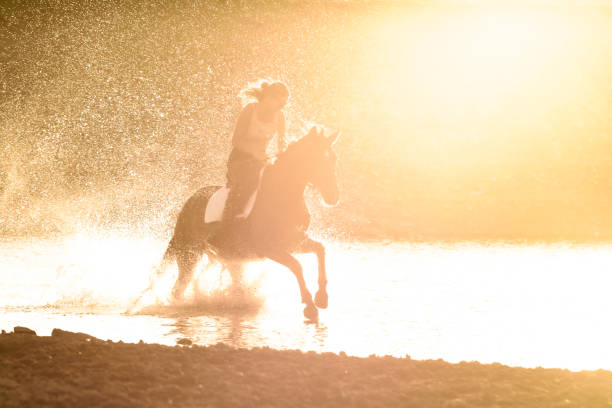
[521, 305]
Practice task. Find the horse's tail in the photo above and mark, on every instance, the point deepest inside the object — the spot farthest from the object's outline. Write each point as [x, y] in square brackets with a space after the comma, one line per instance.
[190, 230]
[170, 253]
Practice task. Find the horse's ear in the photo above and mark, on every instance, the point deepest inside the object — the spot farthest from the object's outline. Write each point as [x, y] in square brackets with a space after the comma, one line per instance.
[334, 137]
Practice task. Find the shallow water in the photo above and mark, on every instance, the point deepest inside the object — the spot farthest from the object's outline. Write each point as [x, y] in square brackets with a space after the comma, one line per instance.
[537, 305]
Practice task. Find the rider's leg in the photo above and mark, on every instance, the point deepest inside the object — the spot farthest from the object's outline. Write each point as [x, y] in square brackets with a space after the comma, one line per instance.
[243, 179]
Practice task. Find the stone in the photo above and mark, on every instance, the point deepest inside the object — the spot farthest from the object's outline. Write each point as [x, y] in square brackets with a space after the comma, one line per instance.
[185, 342]
[8, 383]
[23, 330]
[71, 335]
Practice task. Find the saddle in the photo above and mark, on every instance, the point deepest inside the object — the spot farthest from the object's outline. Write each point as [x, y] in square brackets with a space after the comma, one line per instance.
[216, 205]
[228, 240]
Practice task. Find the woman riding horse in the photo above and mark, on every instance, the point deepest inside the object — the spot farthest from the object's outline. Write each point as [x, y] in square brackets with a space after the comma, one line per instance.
[276, 226]
[257, 124]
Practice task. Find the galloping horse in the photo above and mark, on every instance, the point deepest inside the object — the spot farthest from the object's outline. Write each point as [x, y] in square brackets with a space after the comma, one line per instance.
[276, 226]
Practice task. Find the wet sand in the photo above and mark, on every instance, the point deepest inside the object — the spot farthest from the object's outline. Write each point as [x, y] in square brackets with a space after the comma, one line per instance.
[73, 369]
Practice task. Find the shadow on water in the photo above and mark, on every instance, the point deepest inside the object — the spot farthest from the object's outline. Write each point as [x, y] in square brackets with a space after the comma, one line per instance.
[231, 330]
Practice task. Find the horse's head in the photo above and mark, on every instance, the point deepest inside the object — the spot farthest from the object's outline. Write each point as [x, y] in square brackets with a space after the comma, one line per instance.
[320, 162]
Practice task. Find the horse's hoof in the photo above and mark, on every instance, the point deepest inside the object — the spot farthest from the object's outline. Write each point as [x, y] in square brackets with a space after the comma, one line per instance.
[321, 299]
[237, 291]
[176, 296]
[311, 313]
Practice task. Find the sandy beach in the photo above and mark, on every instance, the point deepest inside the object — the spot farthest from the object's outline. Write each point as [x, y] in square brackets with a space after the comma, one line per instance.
[74, 369]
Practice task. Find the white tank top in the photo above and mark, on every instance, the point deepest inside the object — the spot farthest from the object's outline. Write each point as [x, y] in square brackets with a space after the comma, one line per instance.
[258, 136]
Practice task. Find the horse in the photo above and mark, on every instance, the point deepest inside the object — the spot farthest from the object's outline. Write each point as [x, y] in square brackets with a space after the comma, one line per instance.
[276, 228]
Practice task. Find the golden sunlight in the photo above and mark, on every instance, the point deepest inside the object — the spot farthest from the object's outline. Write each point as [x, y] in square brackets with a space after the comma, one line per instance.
[485, 111]
[460, 226]
[463, 69]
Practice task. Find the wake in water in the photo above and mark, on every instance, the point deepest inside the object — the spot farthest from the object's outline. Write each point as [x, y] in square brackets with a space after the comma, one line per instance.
[113, 273]
[211, 290]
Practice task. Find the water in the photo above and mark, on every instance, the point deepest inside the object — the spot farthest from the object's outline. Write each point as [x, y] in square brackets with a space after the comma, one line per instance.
[521, 305]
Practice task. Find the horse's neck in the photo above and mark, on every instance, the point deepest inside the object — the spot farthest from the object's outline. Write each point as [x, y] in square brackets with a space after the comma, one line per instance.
[284, 181]
[281, 185]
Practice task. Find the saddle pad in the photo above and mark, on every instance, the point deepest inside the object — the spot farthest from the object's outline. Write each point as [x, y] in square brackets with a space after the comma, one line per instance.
[216, 204]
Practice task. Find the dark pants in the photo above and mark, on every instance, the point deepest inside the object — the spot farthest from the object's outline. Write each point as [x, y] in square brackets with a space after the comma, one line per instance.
[243, 172]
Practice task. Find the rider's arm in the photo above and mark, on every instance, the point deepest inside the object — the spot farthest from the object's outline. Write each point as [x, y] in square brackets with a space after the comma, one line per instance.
[280, 133]
[242, 124]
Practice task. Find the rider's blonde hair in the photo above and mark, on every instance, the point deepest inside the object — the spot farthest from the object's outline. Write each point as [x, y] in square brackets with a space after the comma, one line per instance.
[256, 91]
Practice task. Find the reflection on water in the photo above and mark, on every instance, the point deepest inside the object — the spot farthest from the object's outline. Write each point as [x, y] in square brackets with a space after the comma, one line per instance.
[519, 305]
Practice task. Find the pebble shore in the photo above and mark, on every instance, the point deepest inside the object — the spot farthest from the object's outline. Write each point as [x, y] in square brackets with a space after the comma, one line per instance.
[74, 369]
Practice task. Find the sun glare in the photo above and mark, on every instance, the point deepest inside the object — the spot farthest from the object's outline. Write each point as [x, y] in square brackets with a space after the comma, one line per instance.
[491, 78]
[466, 68]
[474, 222]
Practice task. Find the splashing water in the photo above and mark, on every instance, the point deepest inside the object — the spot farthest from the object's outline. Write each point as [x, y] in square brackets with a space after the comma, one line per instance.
[211, 290]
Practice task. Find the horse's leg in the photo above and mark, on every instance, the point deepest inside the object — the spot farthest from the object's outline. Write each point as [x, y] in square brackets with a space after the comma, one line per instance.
[186, 261]
[283, 258]
[235, 270]
[310, 245]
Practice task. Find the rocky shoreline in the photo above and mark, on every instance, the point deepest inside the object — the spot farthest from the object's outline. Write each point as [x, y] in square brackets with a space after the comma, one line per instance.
[74, 369]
